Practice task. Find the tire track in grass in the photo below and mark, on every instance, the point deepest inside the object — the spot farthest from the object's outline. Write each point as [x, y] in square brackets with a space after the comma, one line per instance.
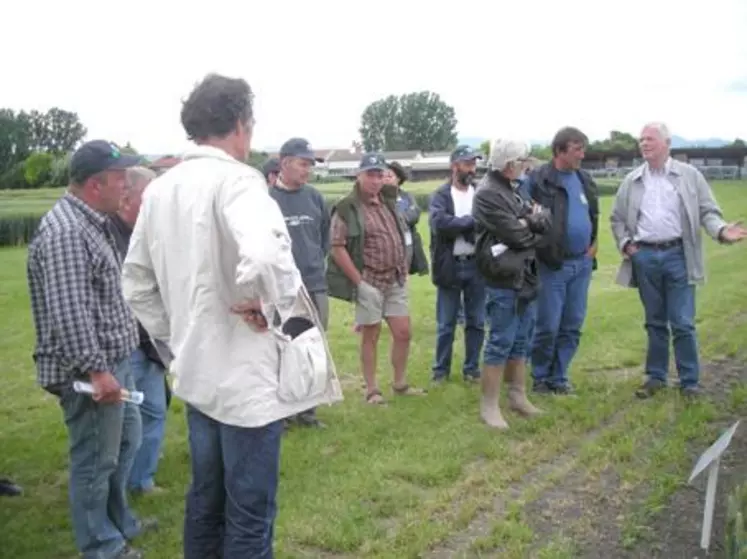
[605, 507]
[526, 487]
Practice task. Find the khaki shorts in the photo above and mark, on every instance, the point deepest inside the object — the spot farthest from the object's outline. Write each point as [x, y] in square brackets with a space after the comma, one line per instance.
[373, 305]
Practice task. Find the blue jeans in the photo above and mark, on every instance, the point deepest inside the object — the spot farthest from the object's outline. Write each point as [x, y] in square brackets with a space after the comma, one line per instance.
[561, 311]
[668, 302]
[448, 302]
[104, 439]
[231, 508]
[510, 332]
[149, 379]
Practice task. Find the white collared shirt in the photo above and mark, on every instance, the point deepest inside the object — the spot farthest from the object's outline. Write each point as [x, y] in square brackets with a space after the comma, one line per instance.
[660, 217]
[463, 206]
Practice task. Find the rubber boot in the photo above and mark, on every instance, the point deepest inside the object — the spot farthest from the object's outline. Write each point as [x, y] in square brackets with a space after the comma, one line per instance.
[490, 411]
[517, 392]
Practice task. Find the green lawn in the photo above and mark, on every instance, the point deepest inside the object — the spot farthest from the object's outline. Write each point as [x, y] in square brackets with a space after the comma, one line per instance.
[38, 201]
[423, 478]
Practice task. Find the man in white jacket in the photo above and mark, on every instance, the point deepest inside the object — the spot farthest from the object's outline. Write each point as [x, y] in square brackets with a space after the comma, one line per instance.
[209, 259]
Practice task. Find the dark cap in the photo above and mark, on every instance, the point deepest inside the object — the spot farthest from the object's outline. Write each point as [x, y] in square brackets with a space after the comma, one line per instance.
[298, 147]
[97, 156]
[371, 161]
[464, 153]
[398, 170]
[271, 166]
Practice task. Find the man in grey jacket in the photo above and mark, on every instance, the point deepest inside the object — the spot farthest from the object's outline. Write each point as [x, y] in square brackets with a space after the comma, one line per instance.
[656, 220]
[307, 219]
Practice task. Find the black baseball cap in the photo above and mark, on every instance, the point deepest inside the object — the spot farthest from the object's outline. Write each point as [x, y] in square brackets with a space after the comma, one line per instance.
[371, 161]
[298, 147]
[97, 156]
[271, 166]
[398, 170]
[464, 153]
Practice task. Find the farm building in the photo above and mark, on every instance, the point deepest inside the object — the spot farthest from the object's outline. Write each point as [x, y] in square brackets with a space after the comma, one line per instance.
[726, 162]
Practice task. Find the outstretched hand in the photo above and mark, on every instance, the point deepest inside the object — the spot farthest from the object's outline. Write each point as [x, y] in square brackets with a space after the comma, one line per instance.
[733, 233]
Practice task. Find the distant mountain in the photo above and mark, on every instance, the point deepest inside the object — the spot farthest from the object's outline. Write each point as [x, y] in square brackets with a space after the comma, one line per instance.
[679, 142]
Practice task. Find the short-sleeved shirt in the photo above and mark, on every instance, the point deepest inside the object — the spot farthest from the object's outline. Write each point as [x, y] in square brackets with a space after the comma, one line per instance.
[384, 256]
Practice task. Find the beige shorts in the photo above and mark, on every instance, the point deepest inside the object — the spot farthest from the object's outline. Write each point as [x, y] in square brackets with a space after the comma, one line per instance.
[374, 305]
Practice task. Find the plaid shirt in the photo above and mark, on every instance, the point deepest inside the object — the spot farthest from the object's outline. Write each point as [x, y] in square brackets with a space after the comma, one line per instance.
[74, 274]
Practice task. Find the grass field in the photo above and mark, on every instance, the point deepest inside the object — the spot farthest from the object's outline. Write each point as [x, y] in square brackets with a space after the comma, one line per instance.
[601, 475]
[33, 202]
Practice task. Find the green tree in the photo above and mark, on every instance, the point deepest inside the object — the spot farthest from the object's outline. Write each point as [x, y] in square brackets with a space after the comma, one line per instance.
[37, 169]
[15, 139]
[738, 143]
[257, 158]
[415, 121]
[617, 141]
[543, 153]
[55, 131]
[485, 147]
[127, 148]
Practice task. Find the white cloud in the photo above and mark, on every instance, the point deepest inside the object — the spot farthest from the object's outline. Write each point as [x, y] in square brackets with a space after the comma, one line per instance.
[516, 67]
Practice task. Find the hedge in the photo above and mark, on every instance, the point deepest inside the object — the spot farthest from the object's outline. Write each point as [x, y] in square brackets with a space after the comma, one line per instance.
[17, 230]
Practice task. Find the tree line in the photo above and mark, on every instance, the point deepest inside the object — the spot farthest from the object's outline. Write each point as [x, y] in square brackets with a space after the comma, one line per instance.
[35, 146]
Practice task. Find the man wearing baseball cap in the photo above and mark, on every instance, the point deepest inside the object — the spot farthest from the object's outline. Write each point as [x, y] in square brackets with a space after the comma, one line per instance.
[271, 170]
[85, 331]
[454, 269]
[368, 265]
[307, 219]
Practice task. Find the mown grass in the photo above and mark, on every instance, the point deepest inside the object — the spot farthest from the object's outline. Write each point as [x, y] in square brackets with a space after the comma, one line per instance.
[401, 482]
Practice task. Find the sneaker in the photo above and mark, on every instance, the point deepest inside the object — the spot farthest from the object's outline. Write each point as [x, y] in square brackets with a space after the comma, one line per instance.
[309, 420]
[650, 388]
[690, 392]
[9, 489]
[541, 388]
[563, 390]
[130, 553]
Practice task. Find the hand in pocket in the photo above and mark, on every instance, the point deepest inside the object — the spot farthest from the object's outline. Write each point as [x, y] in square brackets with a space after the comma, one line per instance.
[367, 292]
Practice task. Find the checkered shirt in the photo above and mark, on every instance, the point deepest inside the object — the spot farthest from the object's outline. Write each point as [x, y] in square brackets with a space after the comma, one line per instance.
[74, 275]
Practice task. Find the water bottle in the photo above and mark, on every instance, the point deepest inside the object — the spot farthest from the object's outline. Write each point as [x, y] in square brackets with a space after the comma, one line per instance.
[133, 397]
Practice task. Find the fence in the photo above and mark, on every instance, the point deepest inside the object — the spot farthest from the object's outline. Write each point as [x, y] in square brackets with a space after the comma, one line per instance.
[711, 172]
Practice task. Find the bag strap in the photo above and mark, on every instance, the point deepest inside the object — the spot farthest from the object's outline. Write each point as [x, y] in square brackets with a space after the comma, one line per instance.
[307, 308]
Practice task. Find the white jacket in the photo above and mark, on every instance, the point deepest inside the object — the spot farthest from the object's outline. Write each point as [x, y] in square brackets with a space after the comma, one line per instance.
[209, 236]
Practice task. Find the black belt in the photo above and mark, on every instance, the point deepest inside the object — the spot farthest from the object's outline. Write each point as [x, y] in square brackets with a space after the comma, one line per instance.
[663, 245]
[463, 257]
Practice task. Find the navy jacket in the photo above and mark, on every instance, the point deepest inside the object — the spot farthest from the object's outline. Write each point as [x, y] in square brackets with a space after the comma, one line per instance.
[445, 228]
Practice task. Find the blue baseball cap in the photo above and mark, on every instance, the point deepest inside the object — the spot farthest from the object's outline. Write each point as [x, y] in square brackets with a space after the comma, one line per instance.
[372, 161]
[298, 147]
[464, 153]
[98, 156]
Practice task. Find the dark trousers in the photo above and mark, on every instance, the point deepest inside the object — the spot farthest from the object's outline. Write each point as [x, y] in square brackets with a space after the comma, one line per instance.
[471, 290]
[231, 508]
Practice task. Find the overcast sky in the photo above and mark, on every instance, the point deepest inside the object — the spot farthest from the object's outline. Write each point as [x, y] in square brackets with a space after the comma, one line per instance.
[519, 68]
